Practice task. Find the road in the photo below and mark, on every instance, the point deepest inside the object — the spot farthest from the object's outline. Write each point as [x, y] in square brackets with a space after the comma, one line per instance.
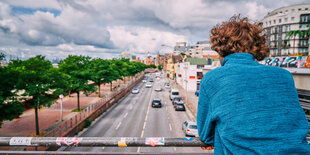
[133, 116]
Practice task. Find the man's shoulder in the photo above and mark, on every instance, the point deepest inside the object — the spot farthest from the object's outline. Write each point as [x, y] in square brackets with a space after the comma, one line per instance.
[213, 74]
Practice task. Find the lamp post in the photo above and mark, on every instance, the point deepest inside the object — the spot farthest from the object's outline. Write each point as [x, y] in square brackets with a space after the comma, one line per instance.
[61, 97]
[186, 68]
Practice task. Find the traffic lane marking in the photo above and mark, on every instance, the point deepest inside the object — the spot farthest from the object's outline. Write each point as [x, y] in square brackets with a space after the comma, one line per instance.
[119, 124]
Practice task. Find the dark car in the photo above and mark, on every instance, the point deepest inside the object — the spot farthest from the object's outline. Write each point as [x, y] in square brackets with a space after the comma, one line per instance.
[156, 103]
[179, 106]
[151, 80]
[176, 99]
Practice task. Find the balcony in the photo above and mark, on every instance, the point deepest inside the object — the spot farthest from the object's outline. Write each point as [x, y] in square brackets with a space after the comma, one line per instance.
[286, 45]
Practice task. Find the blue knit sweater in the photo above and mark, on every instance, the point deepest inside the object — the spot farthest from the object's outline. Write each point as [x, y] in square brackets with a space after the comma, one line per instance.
[248, 108]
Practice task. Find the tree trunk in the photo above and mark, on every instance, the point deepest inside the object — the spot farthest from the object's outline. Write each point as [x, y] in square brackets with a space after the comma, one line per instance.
[111, 86]
[78, 100]
[124, 79]
[99, 89]
[37, 120]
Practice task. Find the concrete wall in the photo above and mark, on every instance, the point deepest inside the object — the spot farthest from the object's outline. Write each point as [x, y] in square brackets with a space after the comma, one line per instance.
[302, 81]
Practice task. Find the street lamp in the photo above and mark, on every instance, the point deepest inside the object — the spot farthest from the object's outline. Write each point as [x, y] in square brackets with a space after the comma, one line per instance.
[61, 97]
[186, 68]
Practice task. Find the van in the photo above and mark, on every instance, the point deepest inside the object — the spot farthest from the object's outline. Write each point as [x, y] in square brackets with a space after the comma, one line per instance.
[174, 93]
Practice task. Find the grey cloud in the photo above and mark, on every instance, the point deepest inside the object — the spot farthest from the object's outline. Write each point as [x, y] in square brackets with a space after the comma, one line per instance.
[43, 29]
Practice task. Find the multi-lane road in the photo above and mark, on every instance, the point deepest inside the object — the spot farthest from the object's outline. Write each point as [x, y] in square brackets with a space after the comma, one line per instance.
[133, 116]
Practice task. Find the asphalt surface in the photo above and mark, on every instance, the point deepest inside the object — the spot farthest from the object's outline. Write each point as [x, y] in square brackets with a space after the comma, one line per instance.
[133, 116]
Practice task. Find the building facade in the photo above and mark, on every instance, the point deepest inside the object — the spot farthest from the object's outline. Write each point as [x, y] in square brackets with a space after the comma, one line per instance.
[190, 72]
[202, 49]
[277, 25]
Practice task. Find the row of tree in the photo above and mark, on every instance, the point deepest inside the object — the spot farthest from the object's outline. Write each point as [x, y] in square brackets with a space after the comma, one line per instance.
[301, 34]
[36, 82]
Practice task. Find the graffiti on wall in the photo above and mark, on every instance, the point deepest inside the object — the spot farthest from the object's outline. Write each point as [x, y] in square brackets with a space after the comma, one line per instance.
[292, 61]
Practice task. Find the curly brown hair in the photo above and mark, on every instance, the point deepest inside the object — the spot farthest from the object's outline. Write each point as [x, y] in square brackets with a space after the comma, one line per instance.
[238, 35]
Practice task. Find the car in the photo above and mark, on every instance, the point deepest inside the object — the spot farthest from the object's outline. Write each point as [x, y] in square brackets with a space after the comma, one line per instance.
[197, 92]
[176, 99]
[135, 91]
[179, 106]
[148, 85]
[158, 89]
[156, 103]
[167, 86]
[174, 93]
[151, 80]
[190, 128]
[143, 80]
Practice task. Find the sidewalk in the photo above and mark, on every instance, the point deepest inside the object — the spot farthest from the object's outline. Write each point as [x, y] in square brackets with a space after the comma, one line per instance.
[192, 99]
[49, 116]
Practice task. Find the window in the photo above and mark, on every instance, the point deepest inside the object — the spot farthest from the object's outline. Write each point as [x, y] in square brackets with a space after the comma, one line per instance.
[304, 26]
[274, 21]
[299, 9]
[200, 66]
[175, 93]
[285, 19]
[292, 19]
[287, 28]
[269, 22]
[280, 20]
[293, 10]
[286, 10]
[306, 8]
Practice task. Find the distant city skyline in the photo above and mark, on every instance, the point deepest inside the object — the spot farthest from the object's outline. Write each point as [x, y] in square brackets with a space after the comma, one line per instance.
[108, 28]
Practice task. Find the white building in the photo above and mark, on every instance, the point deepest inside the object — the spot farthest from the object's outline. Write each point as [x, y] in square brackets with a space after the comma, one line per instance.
[285, 19]
[180, 47]
[202, 49]
[190, 72]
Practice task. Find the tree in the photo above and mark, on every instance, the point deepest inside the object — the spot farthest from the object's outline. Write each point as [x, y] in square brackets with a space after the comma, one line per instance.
[1, 56]
[40, 81]
[77, 67]
[160, 67]
[103, 71]
[151, 66]
[10, 107]
[122, 67]
[294, 33]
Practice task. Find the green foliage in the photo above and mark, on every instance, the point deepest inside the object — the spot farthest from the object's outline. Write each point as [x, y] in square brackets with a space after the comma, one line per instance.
[103, 71]
[151, 66]
[10, 107]
[160, 67]
[87, 123]
[78, 69]
[1, 56]
[41, 83]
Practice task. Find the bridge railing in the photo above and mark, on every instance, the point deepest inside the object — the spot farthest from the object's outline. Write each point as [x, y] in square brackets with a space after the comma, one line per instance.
[102, 141]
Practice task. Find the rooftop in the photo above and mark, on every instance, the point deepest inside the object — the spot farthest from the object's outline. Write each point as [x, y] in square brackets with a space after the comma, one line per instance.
[197, 61]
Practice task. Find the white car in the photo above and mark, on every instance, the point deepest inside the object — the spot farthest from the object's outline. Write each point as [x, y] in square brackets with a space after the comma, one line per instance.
[135, 91]
[143, 81]
[167, 85]
[148, 85]
[158, 89]
[190, 128]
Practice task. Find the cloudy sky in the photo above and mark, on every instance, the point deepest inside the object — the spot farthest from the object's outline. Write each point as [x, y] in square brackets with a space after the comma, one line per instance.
[106, 28]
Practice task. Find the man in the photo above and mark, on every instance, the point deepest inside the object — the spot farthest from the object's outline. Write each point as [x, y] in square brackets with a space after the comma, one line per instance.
[245, 107]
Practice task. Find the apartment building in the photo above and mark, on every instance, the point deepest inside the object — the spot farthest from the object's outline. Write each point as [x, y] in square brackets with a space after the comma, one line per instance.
[277, 25]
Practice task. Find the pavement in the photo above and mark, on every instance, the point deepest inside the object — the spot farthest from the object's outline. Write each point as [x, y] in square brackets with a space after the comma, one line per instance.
[49, 116]
[192, 99]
